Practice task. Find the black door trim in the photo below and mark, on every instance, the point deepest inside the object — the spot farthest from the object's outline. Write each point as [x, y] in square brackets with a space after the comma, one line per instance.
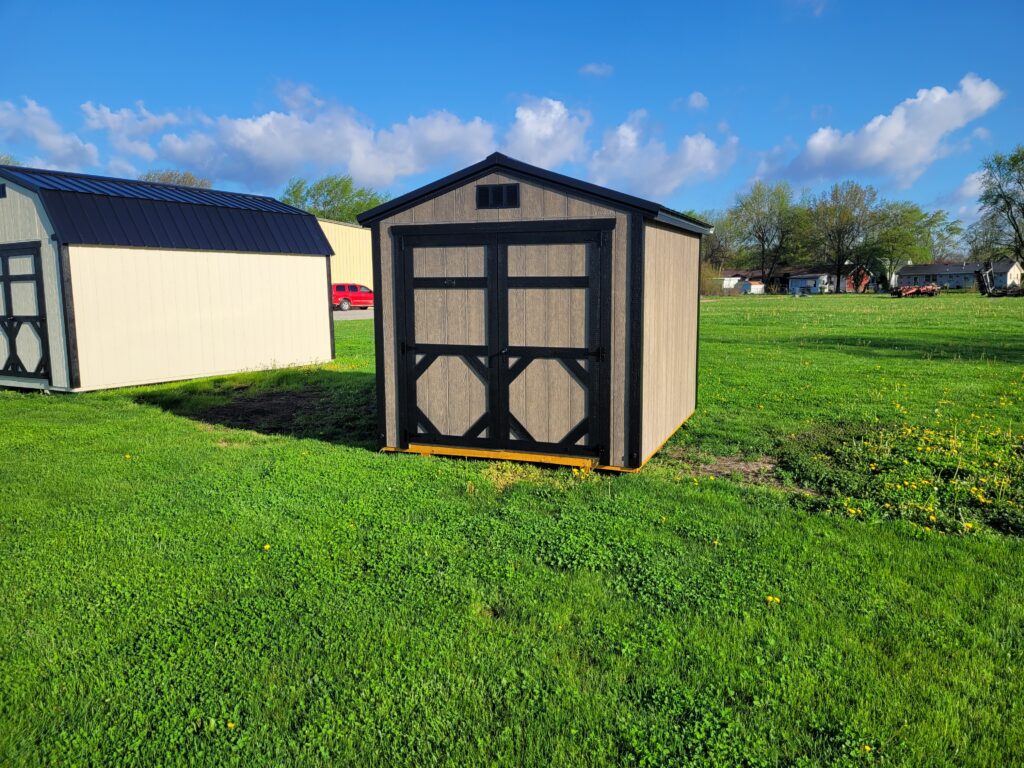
[11, 324]
[504, 431]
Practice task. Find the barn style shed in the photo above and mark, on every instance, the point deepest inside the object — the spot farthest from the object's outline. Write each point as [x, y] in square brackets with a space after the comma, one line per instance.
[524, 314]
[109, 282]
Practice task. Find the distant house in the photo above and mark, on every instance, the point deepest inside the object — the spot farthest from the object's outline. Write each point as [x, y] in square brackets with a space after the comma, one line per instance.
[822, 279]
[1007, 274]
[748, 286]
[776, 282]
[729, 282]
[944, 275]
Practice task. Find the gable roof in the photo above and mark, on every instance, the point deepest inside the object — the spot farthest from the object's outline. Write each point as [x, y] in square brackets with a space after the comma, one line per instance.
[97, 210]
[938, 269]
[825, 269]
[500, 162]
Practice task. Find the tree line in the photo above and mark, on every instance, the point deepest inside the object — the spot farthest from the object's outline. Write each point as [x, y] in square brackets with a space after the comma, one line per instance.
[849, 224]
[769, 226]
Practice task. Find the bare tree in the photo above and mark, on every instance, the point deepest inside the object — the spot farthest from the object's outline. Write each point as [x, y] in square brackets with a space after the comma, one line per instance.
[842, 217]
[721, 245]
[180, 178]
[1002, 196]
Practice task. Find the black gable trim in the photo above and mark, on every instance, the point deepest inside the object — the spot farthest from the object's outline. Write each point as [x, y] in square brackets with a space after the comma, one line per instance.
[500, 162]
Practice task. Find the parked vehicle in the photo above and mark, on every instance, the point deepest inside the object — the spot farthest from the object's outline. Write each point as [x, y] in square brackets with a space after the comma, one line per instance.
[913, 291]
[345, 296]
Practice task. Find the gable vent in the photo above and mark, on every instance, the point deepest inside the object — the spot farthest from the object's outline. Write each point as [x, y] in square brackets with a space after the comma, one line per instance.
[497, 196]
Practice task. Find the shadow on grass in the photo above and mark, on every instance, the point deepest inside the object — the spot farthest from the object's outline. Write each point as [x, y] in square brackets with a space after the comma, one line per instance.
[950, 347]
[336, 407]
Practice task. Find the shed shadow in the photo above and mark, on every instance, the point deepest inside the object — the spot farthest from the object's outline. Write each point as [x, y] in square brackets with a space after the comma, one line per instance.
[317, 404]
[947, 347]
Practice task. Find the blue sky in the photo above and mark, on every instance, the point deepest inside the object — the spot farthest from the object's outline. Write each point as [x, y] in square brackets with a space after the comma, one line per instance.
[686, 103]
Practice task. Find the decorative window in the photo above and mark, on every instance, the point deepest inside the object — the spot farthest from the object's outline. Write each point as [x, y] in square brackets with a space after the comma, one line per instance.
[497, 196]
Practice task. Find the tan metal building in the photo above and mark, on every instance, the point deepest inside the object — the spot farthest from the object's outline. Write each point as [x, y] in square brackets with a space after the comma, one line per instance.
[524, 314]
[109, 282]
[352, 261]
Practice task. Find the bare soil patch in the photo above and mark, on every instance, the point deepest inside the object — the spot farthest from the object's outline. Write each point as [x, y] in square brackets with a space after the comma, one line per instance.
[280, 412]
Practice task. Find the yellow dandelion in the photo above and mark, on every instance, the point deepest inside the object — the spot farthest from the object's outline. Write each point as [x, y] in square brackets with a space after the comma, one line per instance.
[266, 547]
[231, 724]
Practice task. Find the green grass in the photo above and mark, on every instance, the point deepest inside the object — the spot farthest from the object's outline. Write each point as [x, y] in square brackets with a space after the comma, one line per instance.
[414, 610]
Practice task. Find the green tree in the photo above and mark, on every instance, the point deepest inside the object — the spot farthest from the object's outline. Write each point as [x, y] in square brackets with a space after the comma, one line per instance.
[842, 218]
[6, 159]
[901, 232]
[332, 197]
[1002, 196]
[764, 220]
[180, 178]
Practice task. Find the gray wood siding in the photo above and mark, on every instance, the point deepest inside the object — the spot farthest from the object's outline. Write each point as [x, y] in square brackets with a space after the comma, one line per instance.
[536, 203]
[449, 393]
[22, 219]
[671, 279]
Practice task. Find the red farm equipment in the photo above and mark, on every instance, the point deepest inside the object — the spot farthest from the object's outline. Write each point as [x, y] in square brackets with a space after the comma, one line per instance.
[913, 291]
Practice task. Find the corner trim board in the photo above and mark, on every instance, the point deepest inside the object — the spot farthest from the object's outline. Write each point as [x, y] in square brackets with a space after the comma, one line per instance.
[378, 338]
[70, 328]
[635, 370]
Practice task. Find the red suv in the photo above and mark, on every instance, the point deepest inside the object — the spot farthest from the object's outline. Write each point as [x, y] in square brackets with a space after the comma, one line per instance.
[344, 296]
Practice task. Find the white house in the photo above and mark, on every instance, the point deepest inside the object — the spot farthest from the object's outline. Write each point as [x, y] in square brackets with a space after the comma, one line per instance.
[822, 279]
[1007, 273]
[748, 286]
[943, 275]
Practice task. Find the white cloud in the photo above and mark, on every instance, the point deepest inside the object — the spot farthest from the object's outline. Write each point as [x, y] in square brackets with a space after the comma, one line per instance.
[697, 100]
[645, 165]
[595, 69]
[128, 129]
[964, 201]
[34, 124]
[268, 149]
[903, 143]
[547, 133]
[122, 168]
[981, 133]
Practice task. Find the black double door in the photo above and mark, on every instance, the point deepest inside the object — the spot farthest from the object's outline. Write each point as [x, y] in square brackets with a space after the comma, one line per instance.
[503, 337]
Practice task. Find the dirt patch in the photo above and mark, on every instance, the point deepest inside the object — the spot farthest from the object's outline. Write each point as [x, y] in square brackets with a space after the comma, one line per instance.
[760, 471]
[281, 412]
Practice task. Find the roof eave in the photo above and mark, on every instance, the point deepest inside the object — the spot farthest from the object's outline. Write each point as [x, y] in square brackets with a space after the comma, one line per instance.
[689, 225]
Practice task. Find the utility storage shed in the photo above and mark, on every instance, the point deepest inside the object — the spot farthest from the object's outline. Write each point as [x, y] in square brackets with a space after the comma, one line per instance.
[527, 315]
[109, 282]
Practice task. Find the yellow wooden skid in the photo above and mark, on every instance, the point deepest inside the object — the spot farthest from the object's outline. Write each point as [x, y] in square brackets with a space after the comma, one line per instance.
[500, 455]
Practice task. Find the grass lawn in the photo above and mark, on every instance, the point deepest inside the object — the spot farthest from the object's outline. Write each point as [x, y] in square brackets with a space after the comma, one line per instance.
[823, 567]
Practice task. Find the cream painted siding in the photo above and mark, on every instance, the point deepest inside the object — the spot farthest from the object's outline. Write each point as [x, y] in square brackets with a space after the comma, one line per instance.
[146, 315]
[352, 261]
[23, 220]
[537, 202]
[671, 280]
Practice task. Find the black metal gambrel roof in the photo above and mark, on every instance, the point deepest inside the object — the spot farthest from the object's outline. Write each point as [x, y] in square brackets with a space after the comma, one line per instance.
[96, 210]
[500, 162]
